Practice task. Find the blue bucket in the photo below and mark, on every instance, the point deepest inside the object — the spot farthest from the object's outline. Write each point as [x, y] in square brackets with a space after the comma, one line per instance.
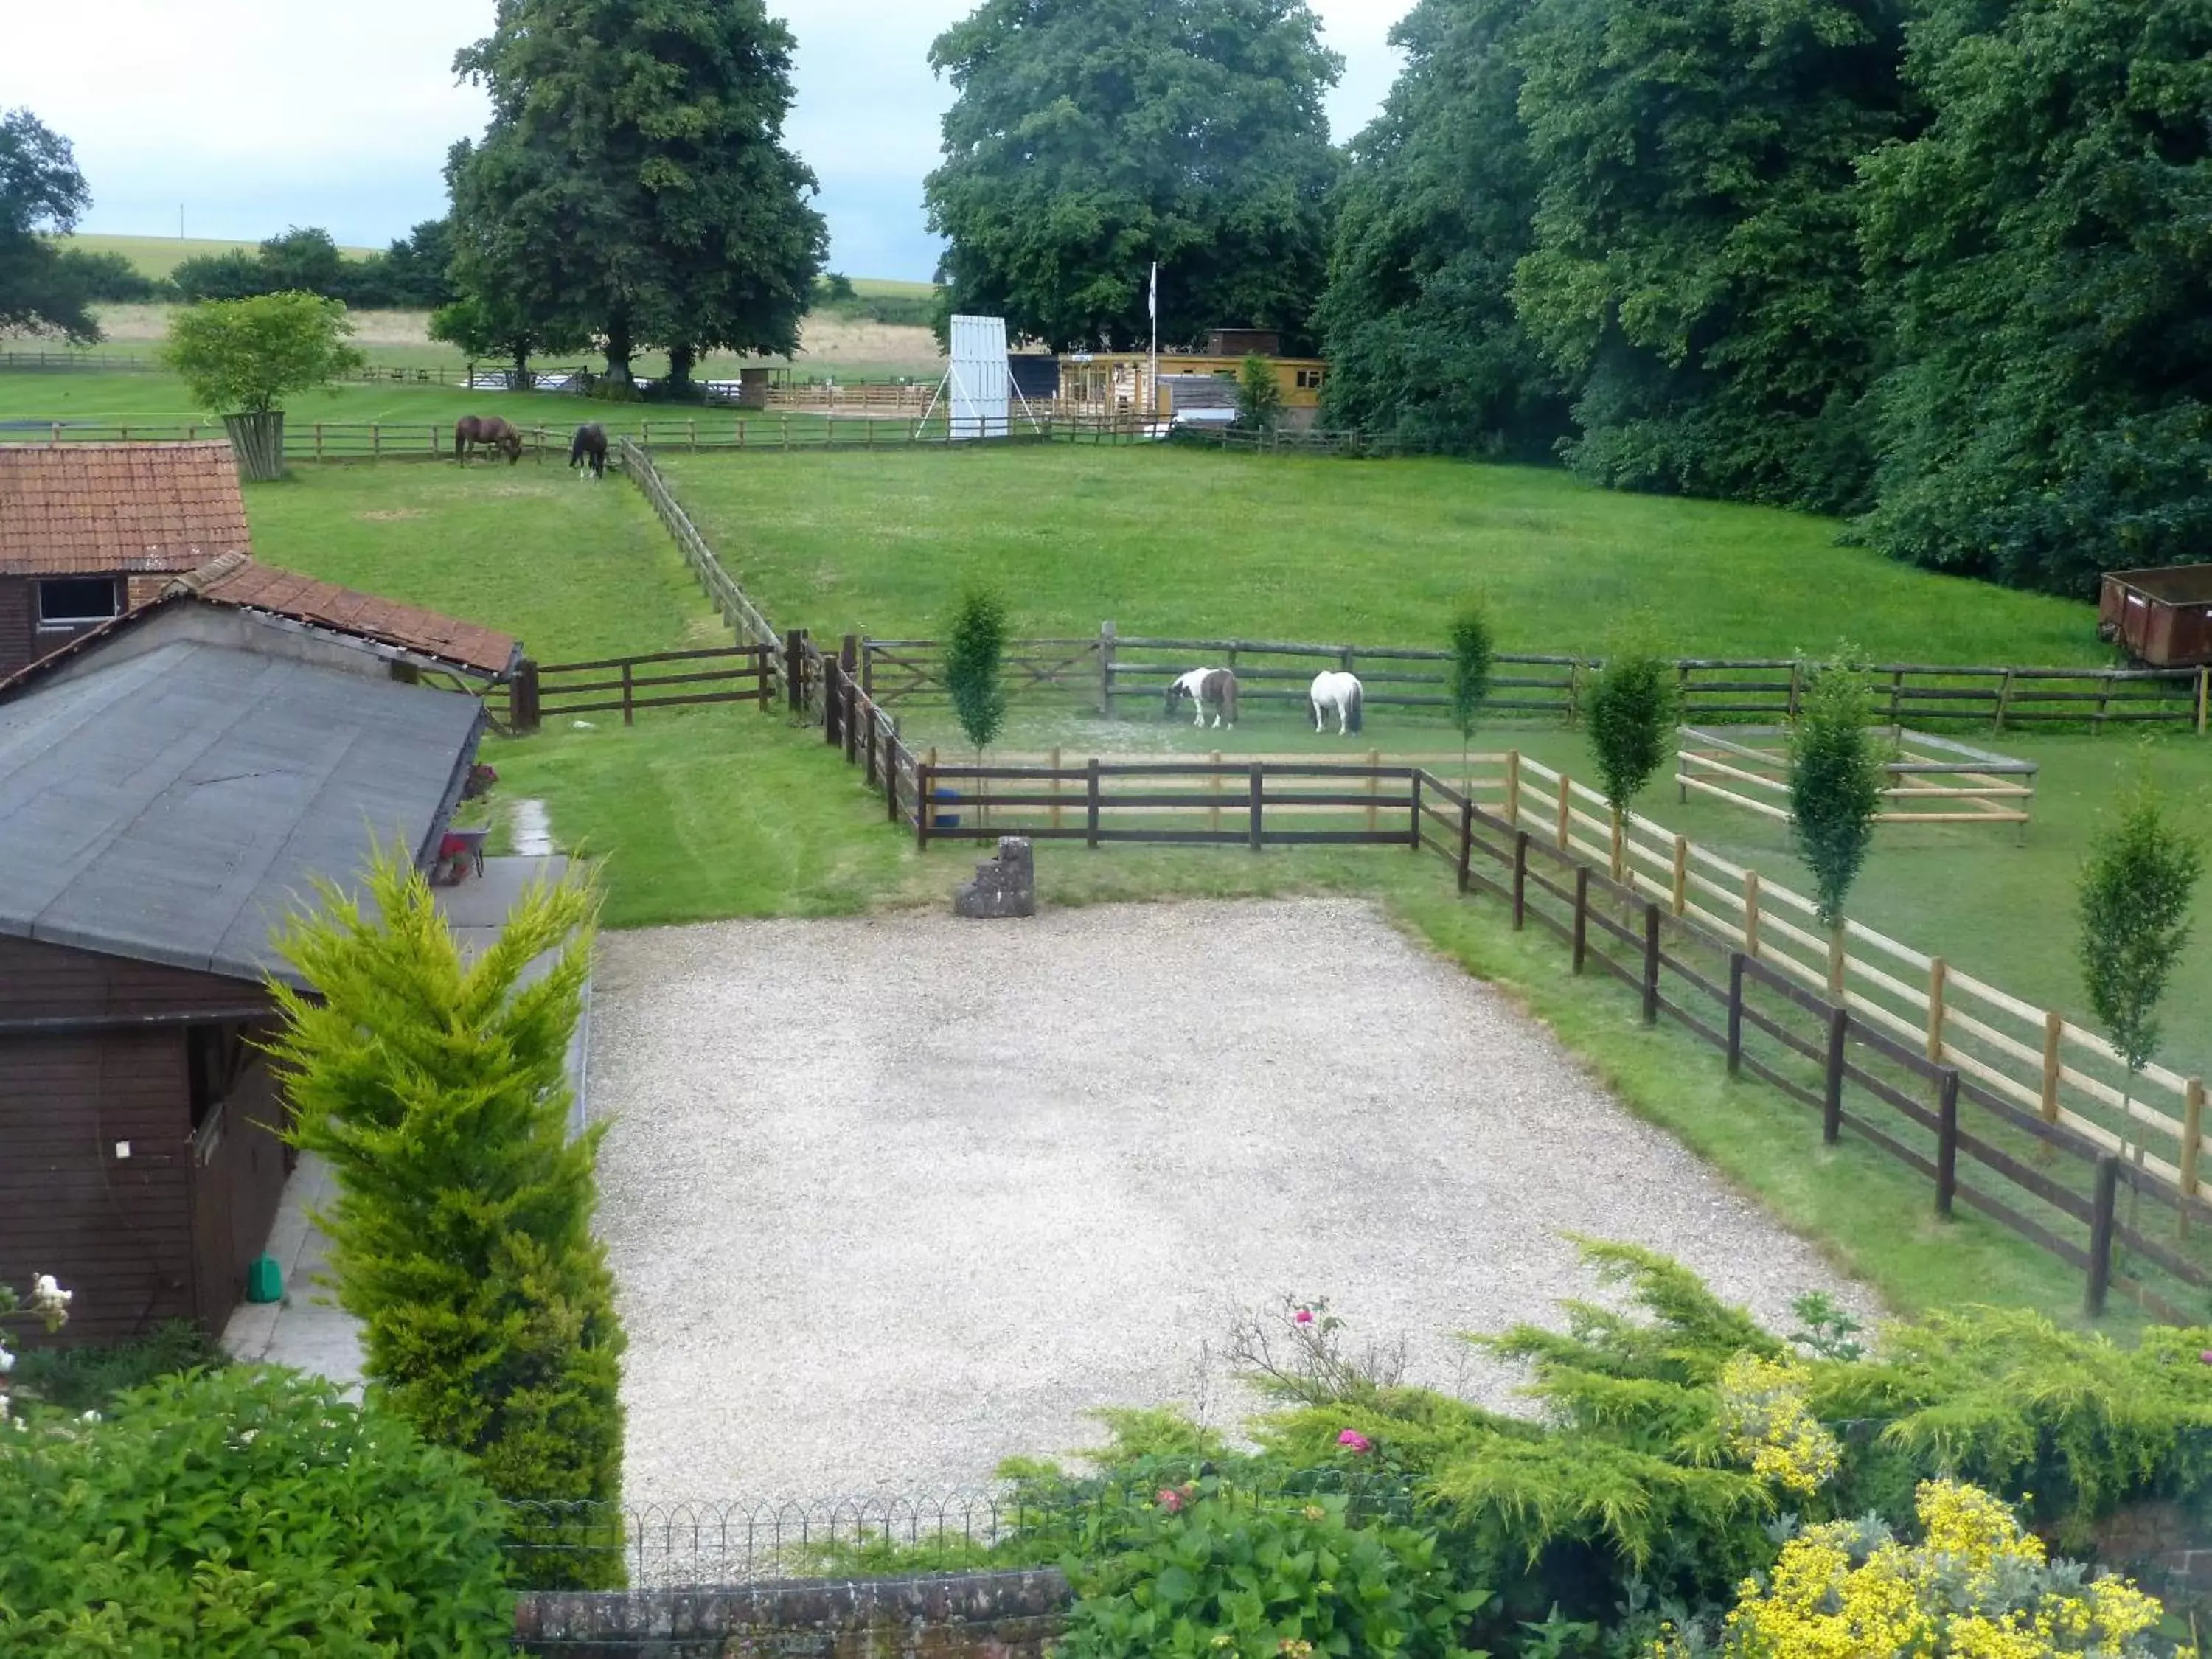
[939, 818]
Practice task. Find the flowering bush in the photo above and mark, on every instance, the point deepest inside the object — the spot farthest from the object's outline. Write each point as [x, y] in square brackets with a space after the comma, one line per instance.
[1215, 1572]
[48, 1303]
[243, 1512]
[1977, 1586]
[1769, 1426]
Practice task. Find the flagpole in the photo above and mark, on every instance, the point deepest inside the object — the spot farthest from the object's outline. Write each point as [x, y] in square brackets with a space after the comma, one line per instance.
[1154, 307]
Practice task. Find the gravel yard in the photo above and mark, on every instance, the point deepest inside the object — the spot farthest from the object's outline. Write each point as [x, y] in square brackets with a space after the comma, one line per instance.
[889, 1200]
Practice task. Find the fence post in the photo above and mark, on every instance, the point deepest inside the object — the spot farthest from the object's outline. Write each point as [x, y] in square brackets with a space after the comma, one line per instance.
[1106, 669]
[851, 721]
[1582, 913]
[1413, 830]
[1465, 841]
[794, 669]
[1373, 785]
[1566, 811]
[2203, 698]
[1090, 805]
[1512, 788]
[1938, 976]
[868, 773]
[1751, 914]
[925, 802]
[1735, 1013]
[1832, 1103]
[1797, 686]
[830, 698]
[1259, 769]
[1681, 875]
[1947, 1142]
[522, 697]
[629, 690]
[2100, 1233]
[1520, 878]
[765, 663]
[375, 439]
[1650, 964]
[2192, 1133]
[891, 774]
[2054, 1027]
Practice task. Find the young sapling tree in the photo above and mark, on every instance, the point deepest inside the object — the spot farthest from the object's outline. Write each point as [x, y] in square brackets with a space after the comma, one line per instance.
[1835, 791]
[1473, 653]
[1634, 709]
[975, 666]
[241, 358]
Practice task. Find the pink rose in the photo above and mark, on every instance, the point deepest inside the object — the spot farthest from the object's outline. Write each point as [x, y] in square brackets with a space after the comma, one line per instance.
[1355, 1441]
[1303, 1317]
[1170, 1500]
[2206, 1357]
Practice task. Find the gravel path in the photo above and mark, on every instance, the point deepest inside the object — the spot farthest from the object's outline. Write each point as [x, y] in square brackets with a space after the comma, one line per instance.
[890, 1200]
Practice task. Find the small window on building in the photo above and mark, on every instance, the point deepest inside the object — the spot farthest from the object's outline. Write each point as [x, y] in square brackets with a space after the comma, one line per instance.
[1309, 379]
[76, 600]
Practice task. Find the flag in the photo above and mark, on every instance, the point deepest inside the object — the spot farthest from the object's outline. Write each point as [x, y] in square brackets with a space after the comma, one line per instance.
[1152, 305]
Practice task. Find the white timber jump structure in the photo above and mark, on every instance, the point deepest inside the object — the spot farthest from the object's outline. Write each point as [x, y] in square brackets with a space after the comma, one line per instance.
[1931, 780]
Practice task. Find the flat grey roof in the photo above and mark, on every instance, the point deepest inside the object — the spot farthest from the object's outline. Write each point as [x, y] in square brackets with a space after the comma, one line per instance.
[173, 807]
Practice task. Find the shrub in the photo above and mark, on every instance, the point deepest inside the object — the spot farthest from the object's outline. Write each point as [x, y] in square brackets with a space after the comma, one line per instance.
[1633, 711]
[975, 658]
[1473, 653]
[2133, 908]
[1259, 396]
[82, 1378]
[461, 1234]
[244, 1512]
[1835, 782]
[248, 354]
[1212, 1572]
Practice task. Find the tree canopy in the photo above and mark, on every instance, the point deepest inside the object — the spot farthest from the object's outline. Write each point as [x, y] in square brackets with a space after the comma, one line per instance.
[634, 183]
[245, 356]
[1089, 138]
[41, 195]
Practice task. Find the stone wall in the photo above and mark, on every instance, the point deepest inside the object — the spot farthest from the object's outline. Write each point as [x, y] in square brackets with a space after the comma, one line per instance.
[997, 1615]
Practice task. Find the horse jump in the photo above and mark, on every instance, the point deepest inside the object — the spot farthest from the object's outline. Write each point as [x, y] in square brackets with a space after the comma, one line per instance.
[1337, 691]
[488, 431]
[1213, 688]
[588, 449]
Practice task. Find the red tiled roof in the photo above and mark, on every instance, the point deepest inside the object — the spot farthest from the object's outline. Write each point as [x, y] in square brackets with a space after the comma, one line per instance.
[237, 580]
[90, 509]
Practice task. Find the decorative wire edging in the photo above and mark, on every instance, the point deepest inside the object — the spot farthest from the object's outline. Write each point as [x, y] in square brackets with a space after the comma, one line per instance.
[671, 1545]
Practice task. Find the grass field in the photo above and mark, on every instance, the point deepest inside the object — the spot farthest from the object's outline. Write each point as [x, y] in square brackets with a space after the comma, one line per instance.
[721, 813]
[1191, 543]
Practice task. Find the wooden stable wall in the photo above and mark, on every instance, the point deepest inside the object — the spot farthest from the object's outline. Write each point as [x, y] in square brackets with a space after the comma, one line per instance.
[100, 1183]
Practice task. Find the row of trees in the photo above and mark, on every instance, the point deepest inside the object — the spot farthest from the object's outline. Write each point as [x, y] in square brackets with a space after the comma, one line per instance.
[408, 275]
[1932, 262]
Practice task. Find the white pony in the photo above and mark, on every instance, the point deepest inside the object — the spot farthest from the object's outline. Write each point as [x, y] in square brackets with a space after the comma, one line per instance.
[1208, 687]
[1339, 692]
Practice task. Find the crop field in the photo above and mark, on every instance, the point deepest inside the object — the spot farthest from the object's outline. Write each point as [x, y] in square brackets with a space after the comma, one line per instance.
[1192, 544]
[727, 812]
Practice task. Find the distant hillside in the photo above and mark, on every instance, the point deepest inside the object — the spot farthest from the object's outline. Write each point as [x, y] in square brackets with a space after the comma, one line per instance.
[157, 256]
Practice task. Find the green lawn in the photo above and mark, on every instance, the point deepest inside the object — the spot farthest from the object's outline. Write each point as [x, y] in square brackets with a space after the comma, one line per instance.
[1187, 542]
[161, 400]
[713, 813]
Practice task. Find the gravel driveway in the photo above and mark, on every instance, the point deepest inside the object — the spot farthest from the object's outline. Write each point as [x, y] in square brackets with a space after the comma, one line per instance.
[890, 1200]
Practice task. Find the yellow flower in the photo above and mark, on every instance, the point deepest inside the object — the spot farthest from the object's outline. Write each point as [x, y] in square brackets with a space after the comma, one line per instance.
[1769, 1426]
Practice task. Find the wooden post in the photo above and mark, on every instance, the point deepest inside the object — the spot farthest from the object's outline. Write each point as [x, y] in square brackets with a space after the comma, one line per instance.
[1831, 1103]
[1751, 914]
[691, 432]
[925, 802]
[1681, 875]
[1091, 806]
[1465, 843]
[522, 697]
[1797, 686]
[851, 720]
[1520, 878]
[1947, 1143]
[645, 434]
[2192, 1132]
[1259, 769]
[1566, 808]
[1581, 914]
[1373, 785]
[1106, 669]
[2004, 701]
[1650, 964]
[794, 669]
[2203, 698]
[831, 696]
[375, 439]
[2054, 1027]
[1512, 788]
[1214, 788]
[1055, 787]
[318, 440]
[1413, 827]
[2100, 1233]
[1938, 976]
[764, 662]
[868, 772]
[629, 691]
[1735, 1013]
[890, 776]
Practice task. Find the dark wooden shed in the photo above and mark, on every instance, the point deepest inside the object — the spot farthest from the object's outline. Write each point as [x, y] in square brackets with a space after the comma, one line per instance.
[2163, 616]
[170, 788]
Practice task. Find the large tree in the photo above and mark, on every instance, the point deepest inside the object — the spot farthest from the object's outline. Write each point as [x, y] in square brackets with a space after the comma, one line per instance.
[633, 180]
[2046, 242]
[41, 194]
[1418, 323]
[1090, 138]
[1696, 259]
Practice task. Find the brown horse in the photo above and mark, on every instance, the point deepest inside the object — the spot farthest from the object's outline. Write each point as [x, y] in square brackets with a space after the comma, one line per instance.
[490, 430]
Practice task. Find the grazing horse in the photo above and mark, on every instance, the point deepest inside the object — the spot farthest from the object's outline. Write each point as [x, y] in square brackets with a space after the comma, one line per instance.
[1211, 689]
[588, 449]
[1339, 692]
[491, 430]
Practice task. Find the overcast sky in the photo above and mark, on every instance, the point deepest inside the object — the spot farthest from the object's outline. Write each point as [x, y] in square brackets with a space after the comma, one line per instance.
[250, 116]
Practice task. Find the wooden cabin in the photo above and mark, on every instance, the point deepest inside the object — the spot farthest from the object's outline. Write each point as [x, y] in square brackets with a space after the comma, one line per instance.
[171, 785]
[89, 530]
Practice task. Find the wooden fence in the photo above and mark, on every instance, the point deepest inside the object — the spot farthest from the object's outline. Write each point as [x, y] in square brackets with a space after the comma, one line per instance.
[661, 679]
[735, 605]
[1108, 672]
[1927, 779]
[1699, 941]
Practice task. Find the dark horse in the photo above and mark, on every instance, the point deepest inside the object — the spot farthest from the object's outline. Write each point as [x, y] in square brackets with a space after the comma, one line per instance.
[491, 430]
[588, 449]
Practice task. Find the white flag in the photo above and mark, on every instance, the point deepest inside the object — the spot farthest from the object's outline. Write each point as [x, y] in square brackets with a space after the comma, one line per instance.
[1153, 306]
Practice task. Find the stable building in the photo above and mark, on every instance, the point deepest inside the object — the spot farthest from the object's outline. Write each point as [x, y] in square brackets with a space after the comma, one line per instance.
[172, 785]
[90, 531]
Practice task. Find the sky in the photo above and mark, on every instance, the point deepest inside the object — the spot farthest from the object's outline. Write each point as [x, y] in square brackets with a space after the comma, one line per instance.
[238, 117]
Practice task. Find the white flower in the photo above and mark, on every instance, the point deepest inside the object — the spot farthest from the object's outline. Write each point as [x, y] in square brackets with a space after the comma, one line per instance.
[89, 1417]
[6, 1362]
[47, 1296]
